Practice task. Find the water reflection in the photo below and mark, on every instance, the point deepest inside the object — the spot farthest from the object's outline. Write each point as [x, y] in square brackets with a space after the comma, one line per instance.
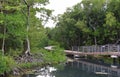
[77, 69]
[97, 69]
[46, 72]
[42, 72]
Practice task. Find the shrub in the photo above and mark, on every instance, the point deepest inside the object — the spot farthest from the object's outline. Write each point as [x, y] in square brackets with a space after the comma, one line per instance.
[54, 56]
[6, 64]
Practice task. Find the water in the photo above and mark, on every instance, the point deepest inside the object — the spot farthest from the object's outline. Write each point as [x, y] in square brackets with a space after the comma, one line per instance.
[77, 69]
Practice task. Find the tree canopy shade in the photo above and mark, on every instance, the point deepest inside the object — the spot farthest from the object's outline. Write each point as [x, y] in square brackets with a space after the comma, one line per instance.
[90, 22]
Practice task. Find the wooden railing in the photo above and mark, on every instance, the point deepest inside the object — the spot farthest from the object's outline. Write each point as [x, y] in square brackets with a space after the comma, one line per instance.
[97, 48]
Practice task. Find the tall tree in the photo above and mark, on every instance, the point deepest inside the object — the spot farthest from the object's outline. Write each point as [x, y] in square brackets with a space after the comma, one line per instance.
[29, 4]
[7, 9]
[97, 22]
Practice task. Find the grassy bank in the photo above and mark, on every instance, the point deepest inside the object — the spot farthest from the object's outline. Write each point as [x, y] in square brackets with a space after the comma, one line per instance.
[6, 65]
[39, 58]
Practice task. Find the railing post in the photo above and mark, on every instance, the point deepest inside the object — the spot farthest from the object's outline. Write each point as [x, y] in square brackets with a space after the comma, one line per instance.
[92, 49]
[108, 48]
[118, 47]
[95, 48]
[83, 48]
[100, 49]
[78, 49]
[111, 48]
[72, 48]
[88, 49]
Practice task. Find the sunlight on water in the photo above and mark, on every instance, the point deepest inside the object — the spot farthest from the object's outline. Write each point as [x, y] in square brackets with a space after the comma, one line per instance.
[46, 71]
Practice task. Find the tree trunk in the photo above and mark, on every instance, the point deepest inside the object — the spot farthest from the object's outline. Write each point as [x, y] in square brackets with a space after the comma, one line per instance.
[3, 41]
[28, 46]
[4, 32]
[27, 37]
[94, 29]
[95, 40]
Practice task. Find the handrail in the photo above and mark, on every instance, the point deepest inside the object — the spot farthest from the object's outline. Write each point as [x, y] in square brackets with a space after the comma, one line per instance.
[97, 48]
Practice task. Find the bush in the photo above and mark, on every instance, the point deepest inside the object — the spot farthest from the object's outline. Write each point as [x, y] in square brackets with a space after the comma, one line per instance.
[6, 64]
[54, 56]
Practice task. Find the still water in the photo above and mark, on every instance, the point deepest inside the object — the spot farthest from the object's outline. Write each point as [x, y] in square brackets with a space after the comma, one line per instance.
[77, 69]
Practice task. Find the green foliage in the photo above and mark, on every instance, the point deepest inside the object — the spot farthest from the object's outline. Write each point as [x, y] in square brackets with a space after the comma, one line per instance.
[31, 2]
[15, 25]
[53, 43]
[13, 19]
[29, 65]
[110, 19]
[13, 30]
[87, 23]
[54, 56]
[81, 25]
[13, 53]
[6, 64]
[38, 37]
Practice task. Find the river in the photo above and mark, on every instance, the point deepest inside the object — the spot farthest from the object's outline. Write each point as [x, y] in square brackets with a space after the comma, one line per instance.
[77, 69]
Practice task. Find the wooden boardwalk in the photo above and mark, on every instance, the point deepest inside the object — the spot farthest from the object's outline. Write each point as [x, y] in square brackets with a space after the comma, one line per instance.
[69, 52]
[109, 49]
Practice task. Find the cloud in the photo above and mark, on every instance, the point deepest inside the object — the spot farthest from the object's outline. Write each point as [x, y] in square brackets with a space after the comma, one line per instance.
[59, 7]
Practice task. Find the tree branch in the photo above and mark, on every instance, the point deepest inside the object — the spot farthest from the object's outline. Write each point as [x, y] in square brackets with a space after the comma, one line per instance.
[25, 2]
[24, 13]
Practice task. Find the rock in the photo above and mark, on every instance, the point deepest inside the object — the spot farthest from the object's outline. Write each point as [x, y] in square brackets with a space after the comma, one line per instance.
[16, 71]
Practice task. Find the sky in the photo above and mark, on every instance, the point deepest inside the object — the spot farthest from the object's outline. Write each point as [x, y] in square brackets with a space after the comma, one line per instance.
[59, 7]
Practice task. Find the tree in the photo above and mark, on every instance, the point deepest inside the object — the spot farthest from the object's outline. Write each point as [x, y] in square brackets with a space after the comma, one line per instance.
[6, 23]
[15, 15]
[89, 22]
[29, 4]
[114, 10]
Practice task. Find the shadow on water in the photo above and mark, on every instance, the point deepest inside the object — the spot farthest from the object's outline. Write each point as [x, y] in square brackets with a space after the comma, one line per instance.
[77, 69]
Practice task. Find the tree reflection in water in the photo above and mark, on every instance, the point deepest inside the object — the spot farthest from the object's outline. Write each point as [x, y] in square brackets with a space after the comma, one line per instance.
[77, 69]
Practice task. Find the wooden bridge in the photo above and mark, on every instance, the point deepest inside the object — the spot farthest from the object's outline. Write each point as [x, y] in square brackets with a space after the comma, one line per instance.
[109, 49]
